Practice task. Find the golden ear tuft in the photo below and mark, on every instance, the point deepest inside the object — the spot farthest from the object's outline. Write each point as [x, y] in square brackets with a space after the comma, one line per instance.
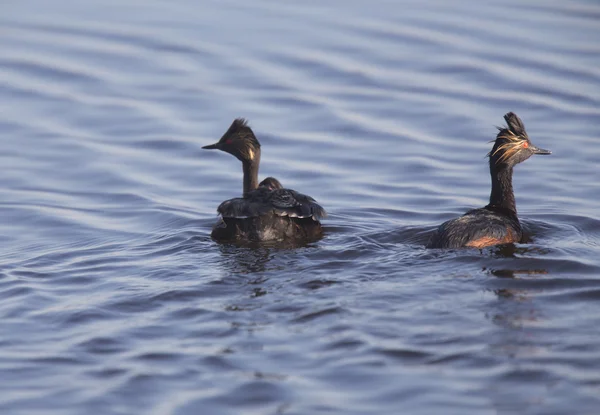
[510, 136]
[509, 149]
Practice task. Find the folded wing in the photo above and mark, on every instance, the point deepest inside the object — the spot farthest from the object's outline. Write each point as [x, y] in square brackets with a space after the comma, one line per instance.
[263, 201]
[287, 202]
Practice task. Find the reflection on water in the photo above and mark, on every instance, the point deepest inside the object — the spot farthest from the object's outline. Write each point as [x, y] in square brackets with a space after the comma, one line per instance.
[513, 316]
[236, 260]
[114, 298]
[509, 273]
[519, 338]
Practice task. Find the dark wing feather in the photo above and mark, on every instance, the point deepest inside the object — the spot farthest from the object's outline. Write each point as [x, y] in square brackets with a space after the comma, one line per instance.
[287, 202]
[242, 207]
[282, 202]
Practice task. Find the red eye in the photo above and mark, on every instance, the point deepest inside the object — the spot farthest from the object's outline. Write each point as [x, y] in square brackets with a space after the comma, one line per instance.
[525, 144]
[228, 141]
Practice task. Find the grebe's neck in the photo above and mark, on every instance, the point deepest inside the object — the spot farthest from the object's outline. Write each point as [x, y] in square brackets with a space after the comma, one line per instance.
[502, 195]
[250, 168]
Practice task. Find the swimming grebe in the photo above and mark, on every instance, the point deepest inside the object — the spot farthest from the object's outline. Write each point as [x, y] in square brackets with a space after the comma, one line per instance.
[497, 223]
[266, 211]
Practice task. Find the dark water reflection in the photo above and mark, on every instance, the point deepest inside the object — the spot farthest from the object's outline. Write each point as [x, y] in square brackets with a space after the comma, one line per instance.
[114, 299]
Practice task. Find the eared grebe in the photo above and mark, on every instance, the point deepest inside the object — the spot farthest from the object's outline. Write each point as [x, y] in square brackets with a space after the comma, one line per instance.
[497, 223]
[266, 211]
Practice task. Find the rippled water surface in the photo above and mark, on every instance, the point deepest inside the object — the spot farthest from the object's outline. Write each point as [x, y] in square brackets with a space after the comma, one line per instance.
[115, 300]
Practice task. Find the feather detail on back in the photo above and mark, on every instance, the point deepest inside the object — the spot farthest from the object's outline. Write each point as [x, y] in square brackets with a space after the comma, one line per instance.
[263, 201]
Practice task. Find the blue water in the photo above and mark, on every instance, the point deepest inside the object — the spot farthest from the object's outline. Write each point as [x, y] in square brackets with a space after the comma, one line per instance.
[114, 299]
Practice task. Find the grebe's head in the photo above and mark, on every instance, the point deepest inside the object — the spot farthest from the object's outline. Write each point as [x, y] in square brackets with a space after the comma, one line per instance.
[240, 141]
[512, 145]
[271, 183]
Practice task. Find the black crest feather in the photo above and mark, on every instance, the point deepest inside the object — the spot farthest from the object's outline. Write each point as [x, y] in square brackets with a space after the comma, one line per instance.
[515, 125]
[239, 127]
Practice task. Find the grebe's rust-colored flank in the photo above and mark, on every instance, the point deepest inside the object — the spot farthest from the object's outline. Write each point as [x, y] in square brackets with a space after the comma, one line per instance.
[266, 211]
[485, 241]
[497, 223]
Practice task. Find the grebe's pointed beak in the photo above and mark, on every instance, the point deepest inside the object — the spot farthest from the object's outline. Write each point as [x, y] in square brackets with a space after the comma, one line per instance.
[212, 147]
[541, 151]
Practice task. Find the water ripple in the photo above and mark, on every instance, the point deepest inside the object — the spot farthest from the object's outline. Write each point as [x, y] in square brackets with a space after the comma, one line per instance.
[116, 300]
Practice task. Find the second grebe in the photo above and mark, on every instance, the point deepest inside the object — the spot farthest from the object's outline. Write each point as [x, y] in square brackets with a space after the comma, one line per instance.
[497, 223]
